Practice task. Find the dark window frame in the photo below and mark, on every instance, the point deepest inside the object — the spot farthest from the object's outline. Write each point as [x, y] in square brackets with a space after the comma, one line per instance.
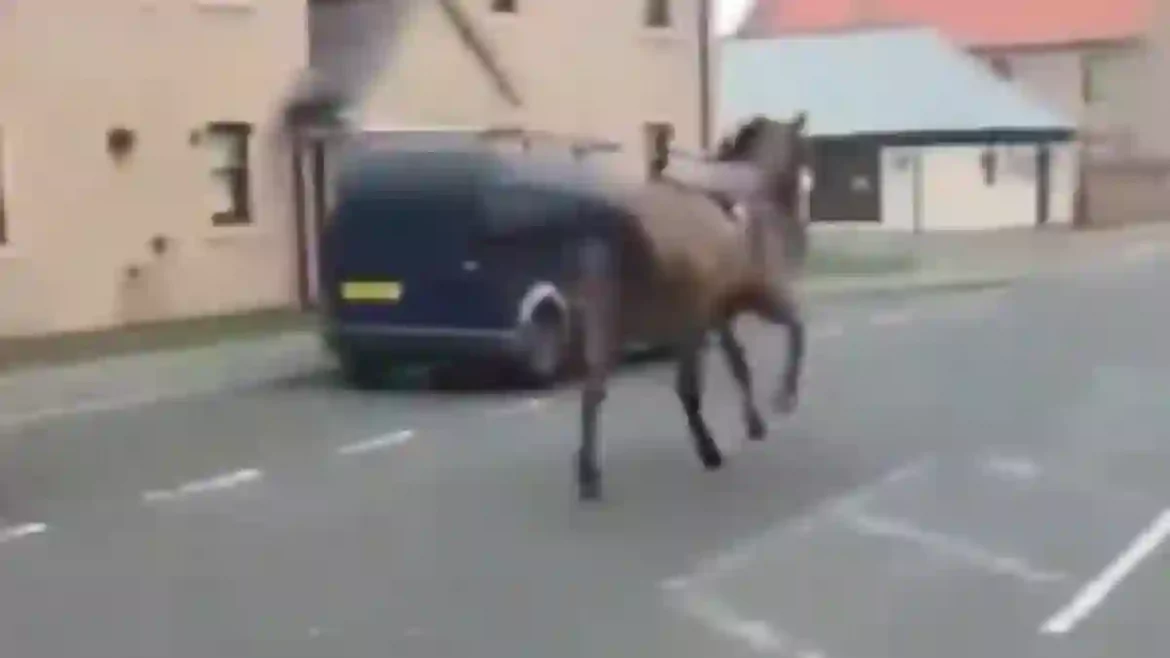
[658, 136]
[237, 175]
[1090, 72]
[989, 163]
[658, 14]
[1087, 86]
[3, 190]
[506, 6]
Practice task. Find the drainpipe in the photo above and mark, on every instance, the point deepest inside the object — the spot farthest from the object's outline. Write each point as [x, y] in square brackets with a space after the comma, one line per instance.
[300, 220]
[704, 75]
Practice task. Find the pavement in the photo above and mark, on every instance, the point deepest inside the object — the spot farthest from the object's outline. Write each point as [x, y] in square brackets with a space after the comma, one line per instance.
[940, 262]
[971, 473]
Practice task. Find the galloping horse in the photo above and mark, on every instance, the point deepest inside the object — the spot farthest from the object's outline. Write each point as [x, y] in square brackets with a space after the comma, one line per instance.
[680, 270]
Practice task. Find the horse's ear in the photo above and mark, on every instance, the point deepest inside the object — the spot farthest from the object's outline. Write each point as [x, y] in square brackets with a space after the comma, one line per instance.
[800, 121]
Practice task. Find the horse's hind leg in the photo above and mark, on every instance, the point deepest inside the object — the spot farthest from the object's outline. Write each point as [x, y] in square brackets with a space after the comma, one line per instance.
[736, 359]
[689, 385]
[598, 301]
[785, 311]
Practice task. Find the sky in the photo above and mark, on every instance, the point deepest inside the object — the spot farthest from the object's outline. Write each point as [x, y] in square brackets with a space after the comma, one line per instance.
[729, 13]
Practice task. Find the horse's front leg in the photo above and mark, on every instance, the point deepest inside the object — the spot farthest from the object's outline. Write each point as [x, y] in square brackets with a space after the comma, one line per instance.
[736, 358]
[784, 311]
[598, 303]
[689, 385]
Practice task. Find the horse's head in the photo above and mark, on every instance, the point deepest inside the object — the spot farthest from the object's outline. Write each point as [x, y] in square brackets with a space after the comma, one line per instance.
[779, 150]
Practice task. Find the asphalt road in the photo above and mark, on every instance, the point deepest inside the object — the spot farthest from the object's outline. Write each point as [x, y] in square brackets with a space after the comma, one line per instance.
[977, 474]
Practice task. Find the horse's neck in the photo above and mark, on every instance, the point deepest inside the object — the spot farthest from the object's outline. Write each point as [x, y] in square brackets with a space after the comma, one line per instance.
[771, 243]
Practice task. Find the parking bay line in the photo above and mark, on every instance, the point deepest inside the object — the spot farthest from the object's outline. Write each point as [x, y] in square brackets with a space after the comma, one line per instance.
[1095, 591]
[12, 533]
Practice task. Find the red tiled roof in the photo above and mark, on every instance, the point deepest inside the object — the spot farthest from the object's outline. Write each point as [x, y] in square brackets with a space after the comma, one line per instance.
[972, 23]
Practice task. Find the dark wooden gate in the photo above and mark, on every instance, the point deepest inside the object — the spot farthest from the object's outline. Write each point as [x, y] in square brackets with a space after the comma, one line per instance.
[847, 182]
[1043, 184]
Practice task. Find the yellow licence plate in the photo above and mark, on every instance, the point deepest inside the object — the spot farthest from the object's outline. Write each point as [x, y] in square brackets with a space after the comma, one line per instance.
[371, 291]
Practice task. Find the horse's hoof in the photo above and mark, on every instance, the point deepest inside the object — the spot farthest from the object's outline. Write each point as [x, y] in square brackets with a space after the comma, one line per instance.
[712, 459]
[589, 490]
[785, 403]
[756, 430]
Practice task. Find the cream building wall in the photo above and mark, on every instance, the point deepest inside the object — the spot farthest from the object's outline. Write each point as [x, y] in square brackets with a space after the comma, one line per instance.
[79, 223]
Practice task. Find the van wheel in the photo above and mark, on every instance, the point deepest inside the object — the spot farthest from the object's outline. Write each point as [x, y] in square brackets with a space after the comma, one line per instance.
[545, 348]
[362, 371]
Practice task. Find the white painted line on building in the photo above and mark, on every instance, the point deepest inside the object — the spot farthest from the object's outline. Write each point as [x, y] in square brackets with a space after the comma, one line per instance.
[12, 533]
[958, 548]
[1094, 592]
[209, 485]
[381, 442]
[890, 318]
[739, 554]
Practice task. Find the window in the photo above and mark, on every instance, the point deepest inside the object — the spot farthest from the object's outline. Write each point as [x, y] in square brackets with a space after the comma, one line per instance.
[3, 190]
[505, 6]
[229, 145]
[658, 136]
[657, 13]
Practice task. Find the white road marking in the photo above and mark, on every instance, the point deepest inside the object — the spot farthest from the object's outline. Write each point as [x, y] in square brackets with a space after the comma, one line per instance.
[209, 485]
[1014, 468]
[524, 406]
[829, 331]
[12, 533]
[1024, 470]
[890, 318]
[1095, 591]
[718, 616]
[381, 442]
[950, 546]
[721, 618]
[1141, 252]
[740, 554]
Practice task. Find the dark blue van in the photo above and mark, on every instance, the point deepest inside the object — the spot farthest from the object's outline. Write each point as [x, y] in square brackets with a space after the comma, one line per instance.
[454, 254]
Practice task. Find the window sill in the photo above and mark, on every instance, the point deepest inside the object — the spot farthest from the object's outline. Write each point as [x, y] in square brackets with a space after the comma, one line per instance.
[664, 35]
[227, 233]
[234, 6]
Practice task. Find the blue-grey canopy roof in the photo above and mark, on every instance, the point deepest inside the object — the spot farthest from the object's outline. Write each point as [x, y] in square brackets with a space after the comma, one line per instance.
[877, 81]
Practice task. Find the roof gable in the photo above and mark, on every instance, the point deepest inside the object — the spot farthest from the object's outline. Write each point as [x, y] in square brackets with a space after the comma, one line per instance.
[982, 24]
[879, 81]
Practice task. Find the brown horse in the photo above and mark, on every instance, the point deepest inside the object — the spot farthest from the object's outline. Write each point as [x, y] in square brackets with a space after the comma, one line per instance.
[682, 270]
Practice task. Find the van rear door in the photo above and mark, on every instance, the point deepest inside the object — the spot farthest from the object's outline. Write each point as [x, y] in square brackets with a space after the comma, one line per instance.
[402, 256]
